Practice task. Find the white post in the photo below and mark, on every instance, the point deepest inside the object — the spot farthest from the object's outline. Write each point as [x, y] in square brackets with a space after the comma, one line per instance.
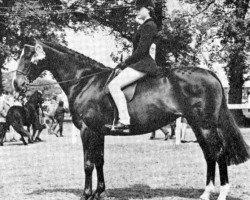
[178, 131]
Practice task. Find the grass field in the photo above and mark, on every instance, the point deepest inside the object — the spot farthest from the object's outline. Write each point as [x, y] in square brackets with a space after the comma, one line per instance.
[135, 168]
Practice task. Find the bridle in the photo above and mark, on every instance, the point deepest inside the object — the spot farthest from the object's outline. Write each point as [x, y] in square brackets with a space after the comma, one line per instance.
[23, 73]
[66, 81]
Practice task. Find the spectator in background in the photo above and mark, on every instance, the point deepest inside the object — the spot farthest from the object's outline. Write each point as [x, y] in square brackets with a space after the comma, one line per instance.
[181, 126]
[51, 109]
[59, 116]
[4, 107]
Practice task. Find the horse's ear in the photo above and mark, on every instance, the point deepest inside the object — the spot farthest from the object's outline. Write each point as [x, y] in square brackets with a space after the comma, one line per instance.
[39, 55]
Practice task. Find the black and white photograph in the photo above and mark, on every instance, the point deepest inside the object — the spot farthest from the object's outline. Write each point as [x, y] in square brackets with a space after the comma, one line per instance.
[125, 99]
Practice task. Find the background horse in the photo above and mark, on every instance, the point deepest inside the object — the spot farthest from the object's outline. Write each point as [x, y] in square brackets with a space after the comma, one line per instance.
[195, 93]
[27, 115]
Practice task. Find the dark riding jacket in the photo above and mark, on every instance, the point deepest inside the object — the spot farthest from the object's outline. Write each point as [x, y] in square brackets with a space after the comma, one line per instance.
[140, 59]
[59, 114]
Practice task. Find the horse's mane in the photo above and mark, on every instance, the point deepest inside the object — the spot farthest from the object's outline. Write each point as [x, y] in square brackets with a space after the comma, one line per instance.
[80, 57]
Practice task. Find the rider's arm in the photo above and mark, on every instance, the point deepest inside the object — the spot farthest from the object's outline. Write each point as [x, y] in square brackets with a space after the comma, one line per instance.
[148, 33]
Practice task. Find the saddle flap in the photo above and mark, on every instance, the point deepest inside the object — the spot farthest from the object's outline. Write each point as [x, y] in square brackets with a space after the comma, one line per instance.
[129, 91]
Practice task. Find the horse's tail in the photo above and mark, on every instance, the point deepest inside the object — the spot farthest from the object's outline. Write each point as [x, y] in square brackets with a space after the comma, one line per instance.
[236, 149]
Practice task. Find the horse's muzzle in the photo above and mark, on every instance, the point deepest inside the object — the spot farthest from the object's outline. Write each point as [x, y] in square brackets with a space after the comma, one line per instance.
[20, 86]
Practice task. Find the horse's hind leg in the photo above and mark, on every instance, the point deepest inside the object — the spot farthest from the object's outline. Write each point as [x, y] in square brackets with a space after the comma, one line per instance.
[224, 183]
[19, 129]
[207, 137]
[210, 179]
[93, 147]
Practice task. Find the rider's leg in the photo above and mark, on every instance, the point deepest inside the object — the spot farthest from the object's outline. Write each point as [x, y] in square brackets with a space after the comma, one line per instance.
[126, 77]
[37, 123]
[60, 123]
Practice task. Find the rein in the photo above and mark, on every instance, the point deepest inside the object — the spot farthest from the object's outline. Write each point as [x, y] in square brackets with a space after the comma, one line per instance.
[67, 81]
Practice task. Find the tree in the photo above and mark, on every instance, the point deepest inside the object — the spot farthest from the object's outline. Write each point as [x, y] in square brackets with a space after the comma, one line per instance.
[42, 19]
[227, 31]
[119, 16]
[22, 21]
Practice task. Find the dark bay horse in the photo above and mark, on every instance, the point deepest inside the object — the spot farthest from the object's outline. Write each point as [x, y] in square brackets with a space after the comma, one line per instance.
[195, 93]
[20, 116]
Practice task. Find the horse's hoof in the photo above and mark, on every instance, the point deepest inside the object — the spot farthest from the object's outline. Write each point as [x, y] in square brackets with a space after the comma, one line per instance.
[166, 138]
[54, 133]
[84, 197]
[38, 139]
[151, 138]
[1, 144]
[30, 141]
[24, 142]
[205, 196]
[96, 197]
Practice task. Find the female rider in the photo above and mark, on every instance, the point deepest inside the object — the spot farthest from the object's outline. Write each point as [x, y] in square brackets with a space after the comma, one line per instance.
[139, 64]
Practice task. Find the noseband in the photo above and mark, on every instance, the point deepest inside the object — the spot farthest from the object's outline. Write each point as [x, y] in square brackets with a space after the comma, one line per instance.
[23, 73]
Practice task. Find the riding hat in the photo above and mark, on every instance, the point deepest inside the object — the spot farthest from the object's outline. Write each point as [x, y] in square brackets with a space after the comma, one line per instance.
[144, 3]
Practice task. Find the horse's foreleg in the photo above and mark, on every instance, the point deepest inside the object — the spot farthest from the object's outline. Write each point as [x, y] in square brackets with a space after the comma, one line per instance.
[93, 146]
[152, 136]
[23, 140]
[87, 142]
[224, 183]
[38, 136]
[99, 162]
[32, 136]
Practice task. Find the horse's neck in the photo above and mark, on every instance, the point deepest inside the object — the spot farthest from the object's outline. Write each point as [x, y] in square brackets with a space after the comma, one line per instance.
[29, 106]
[68, 72]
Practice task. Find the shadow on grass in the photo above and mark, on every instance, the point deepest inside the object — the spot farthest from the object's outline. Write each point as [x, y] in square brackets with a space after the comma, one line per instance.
[13, 144]
[138, 191]
[20, 143]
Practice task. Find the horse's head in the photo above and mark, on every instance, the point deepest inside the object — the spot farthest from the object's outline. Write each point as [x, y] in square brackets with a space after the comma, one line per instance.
[30, 66]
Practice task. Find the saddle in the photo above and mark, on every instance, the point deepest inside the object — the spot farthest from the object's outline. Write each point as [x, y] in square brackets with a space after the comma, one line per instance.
[129, 91]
